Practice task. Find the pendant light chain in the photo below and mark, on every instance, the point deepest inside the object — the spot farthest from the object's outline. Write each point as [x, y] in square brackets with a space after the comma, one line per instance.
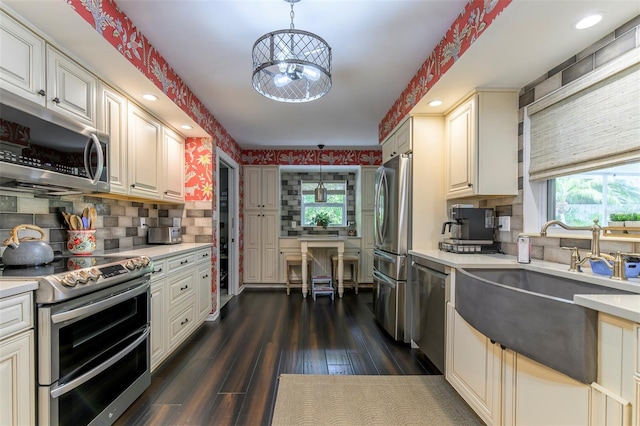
[292, 14]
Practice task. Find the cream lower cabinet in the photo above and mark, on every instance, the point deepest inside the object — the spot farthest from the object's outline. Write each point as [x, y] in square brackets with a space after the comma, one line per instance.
[17, 360]
[507, 388]
[261, 246]
[158, 313]
[180, 300]
[473, 365]
[203, 289]
[616, 395]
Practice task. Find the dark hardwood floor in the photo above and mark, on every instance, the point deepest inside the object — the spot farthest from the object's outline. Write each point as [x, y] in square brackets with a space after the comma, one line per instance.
[226, 373]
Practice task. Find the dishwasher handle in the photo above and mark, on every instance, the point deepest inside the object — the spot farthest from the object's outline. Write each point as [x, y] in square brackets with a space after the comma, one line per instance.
[437, 274]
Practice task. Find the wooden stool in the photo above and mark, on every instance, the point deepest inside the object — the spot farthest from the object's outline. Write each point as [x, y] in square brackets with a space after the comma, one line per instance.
[322, 285]
[296, 260]
[348, 260]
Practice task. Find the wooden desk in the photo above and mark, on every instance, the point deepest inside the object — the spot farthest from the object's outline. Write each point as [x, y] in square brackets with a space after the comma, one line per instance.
[309, 242]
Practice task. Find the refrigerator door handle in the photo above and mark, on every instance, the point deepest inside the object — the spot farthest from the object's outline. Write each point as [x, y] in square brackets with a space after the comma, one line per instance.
[384, 279]
[383, 256]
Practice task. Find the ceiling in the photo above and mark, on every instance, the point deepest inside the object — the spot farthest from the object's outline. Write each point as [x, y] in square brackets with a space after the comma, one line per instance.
[377, 47]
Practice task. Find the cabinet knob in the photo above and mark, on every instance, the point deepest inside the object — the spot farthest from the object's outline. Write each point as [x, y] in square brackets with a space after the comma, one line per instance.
[42, 92]
[55, 100]
[133, 185]
[469, 185]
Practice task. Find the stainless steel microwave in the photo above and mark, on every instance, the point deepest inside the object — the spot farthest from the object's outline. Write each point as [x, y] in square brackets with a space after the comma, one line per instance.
[43, 151]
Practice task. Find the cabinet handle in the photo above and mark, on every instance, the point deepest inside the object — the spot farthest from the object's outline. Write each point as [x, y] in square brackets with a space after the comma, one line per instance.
[186, 320]
[206, 276]
[184, 288]
[493, 342]
[469, 185]
[205, 255]
[157, 271]
[55, 100]
[184, 262]
[133, 185]
[42, 92]
[166, 192]
[503, 347]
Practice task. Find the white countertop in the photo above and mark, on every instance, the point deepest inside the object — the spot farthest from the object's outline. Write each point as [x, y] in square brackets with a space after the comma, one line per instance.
[156, 252]
[10, 287]
[620, 305]
[624, 305]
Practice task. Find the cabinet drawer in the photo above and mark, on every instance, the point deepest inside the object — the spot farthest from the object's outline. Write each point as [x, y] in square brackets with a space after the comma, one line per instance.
[159, 269]
[203, 255]
[16, 314]
[180, 286]
[181, 321]
[179, 262]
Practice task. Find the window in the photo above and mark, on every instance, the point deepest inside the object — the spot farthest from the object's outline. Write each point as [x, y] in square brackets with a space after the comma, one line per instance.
[336, 204]
[580, 198]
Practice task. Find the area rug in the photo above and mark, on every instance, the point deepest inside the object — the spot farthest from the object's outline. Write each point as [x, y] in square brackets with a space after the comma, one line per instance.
[304, 399]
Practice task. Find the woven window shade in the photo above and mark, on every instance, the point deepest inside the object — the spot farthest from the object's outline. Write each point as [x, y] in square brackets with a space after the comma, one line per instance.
[594, 127]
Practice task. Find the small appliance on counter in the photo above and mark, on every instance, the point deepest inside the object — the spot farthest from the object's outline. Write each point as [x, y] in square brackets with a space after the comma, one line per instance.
[471, 230]
[164, 235]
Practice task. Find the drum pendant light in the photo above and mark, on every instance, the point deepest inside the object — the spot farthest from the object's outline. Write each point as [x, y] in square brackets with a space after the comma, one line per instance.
[291, 65]
[320, 191]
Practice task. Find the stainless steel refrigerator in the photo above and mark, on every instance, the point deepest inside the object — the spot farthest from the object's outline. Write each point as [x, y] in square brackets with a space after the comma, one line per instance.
[392, 225]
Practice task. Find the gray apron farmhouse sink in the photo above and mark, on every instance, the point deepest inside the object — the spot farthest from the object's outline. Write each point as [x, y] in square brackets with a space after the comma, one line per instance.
[533, 314]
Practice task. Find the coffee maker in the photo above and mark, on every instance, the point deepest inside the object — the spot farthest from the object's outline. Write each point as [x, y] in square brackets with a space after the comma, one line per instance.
[471, 230]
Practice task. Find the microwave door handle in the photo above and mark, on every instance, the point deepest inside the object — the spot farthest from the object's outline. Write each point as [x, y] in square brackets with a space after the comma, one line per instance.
[93, 140]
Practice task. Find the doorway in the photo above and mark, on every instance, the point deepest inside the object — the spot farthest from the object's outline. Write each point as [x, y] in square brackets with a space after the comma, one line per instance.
[228, 254]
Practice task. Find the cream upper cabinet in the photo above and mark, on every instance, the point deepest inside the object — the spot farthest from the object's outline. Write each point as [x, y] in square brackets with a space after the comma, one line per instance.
[22, 61]
[261, 187]
[112, 120]
[368, 186]
[36, 71]
[145, 152]
[173, 166]
[482, 145]
[398, 142]
[71, 89]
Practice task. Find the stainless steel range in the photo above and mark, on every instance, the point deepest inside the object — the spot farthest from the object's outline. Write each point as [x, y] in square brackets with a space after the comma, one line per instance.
[93, 325]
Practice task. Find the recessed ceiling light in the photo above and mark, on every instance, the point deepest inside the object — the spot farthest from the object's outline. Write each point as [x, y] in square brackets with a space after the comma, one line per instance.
[435, 103]
[149, 97]
[588, 21]
[186, 127]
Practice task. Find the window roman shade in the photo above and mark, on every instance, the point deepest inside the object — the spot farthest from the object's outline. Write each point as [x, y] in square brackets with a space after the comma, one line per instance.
[589, 124]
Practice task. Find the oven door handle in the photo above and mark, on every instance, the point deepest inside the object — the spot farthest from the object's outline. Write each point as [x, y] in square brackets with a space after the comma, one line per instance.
[94, 307]
[61, 390]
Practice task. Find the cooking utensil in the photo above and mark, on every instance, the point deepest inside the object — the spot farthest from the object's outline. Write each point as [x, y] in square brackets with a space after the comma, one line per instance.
[26, 251]
[93, 218]
[85, 222]
[75, 221]
[66, 216]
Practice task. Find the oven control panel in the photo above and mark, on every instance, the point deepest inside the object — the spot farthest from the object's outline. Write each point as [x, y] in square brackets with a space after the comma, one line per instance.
[113, 271]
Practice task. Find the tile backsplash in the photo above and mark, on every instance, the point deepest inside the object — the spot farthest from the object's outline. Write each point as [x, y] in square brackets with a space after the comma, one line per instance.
[291, 201]
[118, 220]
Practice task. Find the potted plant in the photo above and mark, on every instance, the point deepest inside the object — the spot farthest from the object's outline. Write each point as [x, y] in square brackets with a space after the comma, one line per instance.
[616, 220]
[322, 219]
[632, 221]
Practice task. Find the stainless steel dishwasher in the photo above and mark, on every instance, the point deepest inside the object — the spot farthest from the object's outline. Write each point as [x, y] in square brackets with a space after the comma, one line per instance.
[429, 288]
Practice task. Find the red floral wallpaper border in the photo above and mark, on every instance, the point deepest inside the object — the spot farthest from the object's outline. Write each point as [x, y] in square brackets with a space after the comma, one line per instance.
[476, 16]
[299, 157]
